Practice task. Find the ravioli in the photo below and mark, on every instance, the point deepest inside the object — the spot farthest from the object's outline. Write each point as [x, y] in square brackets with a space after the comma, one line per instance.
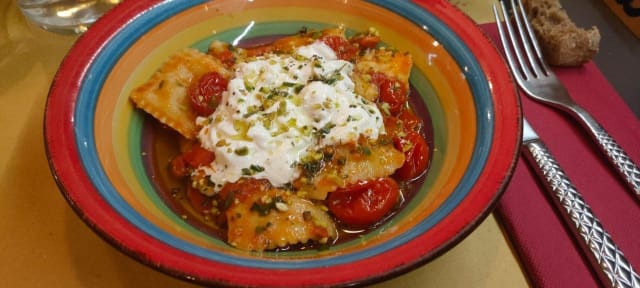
[395, 65]
[299, 118]
[347, 164]
[267, 218]
[166, 95]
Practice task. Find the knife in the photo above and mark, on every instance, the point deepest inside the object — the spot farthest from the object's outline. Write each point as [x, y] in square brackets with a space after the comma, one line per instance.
[607, 260]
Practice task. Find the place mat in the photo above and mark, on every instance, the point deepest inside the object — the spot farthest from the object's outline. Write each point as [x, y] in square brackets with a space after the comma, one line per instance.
[628, 12]
[547, 252]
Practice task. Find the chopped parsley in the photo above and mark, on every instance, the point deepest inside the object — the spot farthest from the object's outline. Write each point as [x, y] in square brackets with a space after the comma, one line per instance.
[326, 129]
[242, 151]
[252, 170]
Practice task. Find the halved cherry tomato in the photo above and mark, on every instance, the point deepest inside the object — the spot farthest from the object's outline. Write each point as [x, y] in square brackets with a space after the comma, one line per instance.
[416, 153]
[410, 120]
[392, 92]
[198, 156]
[364, 203]
[206, 94]
[393, 126]
[225, 56]
[179, 167]
[401, 124]
[343, 49]
[195, 157]
[241, 189]
[365, 41]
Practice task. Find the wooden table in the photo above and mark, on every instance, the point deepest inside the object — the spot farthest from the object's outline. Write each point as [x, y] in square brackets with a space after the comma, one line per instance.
[44, 244]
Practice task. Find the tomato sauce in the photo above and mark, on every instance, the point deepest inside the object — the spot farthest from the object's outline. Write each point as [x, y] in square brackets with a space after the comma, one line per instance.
[161, 145]
[167, 164]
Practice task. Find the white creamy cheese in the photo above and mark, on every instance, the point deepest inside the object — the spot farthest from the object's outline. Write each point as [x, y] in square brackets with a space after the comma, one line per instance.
[278, 108]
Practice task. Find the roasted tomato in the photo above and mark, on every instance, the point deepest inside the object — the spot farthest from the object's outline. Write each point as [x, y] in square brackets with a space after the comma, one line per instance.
[195, 157]
[416, 153]
[241, 189]
[365, 202]
[206, 94]
[198, 156]
[344, 50]
[225, 56]
[410, 121]
[179, 167]
[365, 41]
[392, 92]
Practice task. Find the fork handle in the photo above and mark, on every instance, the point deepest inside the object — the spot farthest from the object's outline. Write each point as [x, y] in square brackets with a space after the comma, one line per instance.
[615, 154]
[609, 262]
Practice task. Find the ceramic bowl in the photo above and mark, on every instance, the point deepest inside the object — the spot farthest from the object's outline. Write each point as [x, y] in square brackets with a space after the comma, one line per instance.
[101, 149]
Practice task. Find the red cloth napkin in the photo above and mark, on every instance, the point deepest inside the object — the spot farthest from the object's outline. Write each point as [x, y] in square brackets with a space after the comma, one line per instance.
[548, 254]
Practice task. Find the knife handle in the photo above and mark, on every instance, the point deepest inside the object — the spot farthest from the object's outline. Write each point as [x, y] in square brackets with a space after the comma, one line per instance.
[615, 154]
[606, 258]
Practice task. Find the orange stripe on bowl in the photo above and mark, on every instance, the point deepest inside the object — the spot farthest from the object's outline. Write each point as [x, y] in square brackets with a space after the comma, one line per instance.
[114, 110]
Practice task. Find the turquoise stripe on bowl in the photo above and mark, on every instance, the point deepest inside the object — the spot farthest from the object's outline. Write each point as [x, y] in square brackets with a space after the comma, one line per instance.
[117, 46]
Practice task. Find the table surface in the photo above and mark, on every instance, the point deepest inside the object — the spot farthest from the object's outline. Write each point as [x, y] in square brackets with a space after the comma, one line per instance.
[44, 244]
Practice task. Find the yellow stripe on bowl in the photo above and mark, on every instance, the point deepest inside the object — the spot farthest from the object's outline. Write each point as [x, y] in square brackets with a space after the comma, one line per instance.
[453, 114]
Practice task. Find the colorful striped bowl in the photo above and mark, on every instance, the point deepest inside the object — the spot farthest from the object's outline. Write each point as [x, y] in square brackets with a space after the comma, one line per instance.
[96, 139]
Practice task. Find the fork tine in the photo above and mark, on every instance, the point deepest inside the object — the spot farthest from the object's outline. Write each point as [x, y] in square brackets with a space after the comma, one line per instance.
[503, 39]
[528, 39]
[522, 70]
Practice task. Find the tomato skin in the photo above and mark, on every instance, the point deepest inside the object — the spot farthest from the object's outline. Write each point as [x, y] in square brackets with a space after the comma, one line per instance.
[392, 92]
[410, 121]
[226, 57]
[198, 156]
[366, 41]
[401, 124]
[206, 94]
[416, 153]
[179, 167]
[393, 126]
[365, 202]
[182, 165]
[343, 49]
[242, 189]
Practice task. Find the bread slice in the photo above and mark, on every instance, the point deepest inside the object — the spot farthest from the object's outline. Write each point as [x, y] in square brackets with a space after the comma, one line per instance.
[562, 42]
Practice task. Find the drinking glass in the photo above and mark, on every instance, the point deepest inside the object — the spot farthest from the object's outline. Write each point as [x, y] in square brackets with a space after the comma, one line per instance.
[65, 16]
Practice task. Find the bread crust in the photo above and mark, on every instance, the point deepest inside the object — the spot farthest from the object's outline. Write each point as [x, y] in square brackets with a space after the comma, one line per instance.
[562, 42]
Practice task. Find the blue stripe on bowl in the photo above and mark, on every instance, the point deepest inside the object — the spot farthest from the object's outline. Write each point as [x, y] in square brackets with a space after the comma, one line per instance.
[484, 108]
[118, 45]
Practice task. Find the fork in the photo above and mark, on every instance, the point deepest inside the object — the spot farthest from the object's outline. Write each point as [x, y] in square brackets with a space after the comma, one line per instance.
[613, 268]
[537, 79]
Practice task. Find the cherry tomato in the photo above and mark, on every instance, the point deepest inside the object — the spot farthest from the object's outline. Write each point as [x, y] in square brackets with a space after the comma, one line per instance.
[364, 203]
[207, 93]
[393, 126]
[198, 156]
[392, 92]
[365, 41]
[179, 167]
[343, 49]
[195, 157]
[404, 122]
[416, 153]
[240, 190]
[410, 121]
[225, 56]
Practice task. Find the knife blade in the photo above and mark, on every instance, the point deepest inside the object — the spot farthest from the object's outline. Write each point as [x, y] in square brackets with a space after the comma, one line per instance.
[607, 260]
